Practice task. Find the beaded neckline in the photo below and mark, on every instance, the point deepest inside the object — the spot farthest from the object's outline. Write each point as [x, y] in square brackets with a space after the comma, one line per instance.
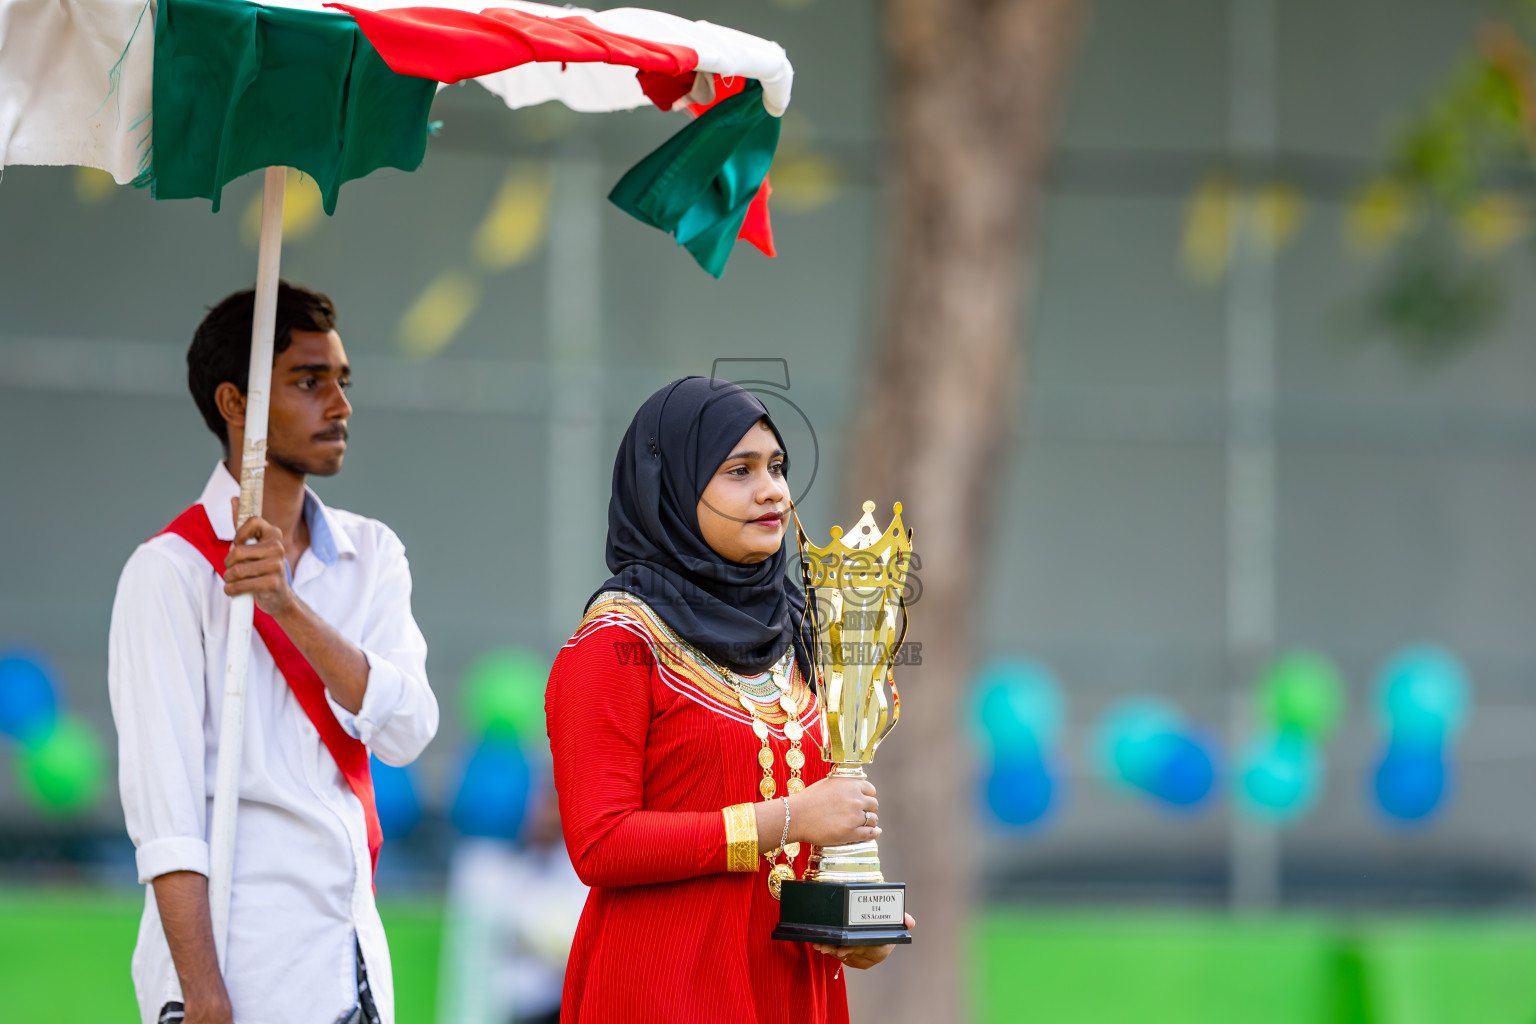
[719, 687]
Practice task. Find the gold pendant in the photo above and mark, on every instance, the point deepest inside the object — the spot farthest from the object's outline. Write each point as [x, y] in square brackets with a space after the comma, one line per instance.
[765, 758]
[767, 787]
[792, 851]
[777, 876]
[795, 758]
[780, 672]
[760, 728]
[793, 730]
[793, 785]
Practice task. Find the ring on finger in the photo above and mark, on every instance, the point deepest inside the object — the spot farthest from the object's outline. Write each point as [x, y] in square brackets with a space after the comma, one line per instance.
[866, 819]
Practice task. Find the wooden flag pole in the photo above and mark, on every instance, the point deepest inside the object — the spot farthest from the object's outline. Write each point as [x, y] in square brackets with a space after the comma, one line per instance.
[242, 609]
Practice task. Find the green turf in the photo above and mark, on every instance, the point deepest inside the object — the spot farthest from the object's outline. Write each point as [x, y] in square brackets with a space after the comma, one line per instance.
[1173, 968]
[1452, 972]
[415, 932]
[64, 957]
[1146, 969]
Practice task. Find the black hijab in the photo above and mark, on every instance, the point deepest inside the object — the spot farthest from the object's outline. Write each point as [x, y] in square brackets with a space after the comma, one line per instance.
[743, 616]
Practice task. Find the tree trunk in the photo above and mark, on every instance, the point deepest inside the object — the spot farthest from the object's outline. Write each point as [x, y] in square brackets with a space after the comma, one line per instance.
[974, 85]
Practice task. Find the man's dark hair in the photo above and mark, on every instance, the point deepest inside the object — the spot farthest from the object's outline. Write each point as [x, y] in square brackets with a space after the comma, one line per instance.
[221, 346]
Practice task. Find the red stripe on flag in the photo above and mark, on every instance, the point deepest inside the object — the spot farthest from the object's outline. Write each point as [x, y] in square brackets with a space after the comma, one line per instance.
[757, 228]
[725, 88]
[449, 46]
[663, 89]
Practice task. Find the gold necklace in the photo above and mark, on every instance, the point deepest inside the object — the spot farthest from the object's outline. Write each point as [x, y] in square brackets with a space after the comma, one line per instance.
[794, 758]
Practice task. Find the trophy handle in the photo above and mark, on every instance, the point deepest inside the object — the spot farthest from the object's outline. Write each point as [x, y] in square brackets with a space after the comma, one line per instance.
[906, 620]
[812, 648]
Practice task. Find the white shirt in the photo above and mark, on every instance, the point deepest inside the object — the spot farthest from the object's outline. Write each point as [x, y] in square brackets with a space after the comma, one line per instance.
[303, 884]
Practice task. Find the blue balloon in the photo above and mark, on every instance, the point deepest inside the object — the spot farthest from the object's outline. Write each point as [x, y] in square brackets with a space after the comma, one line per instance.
[1130, 741]
[493, 795]
[1184, 773]
[394, 794]
[1019, 700]
[1281, 775]
[1410, 782]
[27, 704]
[1019, 789]
[1424, 695]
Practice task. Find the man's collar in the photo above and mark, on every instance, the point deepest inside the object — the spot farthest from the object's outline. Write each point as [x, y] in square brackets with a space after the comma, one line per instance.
[327, 539]
[221, 487]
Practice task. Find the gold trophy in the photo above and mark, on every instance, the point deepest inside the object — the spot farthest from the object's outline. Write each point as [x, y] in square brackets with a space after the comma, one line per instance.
[855, 596]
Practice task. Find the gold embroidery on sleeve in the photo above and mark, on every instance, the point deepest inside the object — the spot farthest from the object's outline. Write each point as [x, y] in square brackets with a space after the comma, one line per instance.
[740, 838]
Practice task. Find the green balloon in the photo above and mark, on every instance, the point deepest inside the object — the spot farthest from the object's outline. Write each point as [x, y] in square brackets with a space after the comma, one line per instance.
[1302, 691]
[504, 695]
[63, 773]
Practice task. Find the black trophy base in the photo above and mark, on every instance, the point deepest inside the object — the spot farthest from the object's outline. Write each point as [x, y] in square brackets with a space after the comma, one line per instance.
[843, 913]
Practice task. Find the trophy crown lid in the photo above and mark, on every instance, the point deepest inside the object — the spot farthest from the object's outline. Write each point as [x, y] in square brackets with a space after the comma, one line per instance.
[863, 556]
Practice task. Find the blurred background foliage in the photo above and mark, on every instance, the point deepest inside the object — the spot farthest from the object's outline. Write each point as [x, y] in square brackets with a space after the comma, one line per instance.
[1451, 214]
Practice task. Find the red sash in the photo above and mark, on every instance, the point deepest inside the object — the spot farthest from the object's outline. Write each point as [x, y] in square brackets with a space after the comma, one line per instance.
[350, 755]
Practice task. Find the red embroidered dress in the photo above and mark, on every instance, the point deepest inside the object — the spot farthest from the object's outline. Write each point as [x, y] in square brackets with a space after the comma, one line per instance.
[653, 756]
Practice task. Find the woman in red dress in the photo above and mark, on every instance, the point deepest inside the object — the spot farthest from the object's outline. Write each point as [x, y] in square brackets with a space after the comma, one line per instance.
[683, 725]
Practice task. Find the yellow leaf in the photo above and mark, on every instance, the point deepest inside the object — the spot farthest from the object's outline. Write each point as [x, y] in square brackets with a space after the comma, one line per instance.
[1208, 229]
[1492, 223]
[303, 207]
[806, 181]
[93, 186]
[1377, 216]
[514, 225]
[438, 313]
[1277, 214]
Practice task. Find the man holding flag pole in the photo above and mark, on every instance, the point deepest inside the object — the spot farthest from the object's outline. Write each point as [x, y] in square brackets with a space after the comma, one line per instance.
[202, 93]
[339, 671]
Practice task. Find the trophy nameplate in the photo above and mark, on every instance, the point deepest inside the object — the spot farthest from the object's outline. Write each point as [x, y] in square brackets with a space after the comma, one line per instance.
[843, 913]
